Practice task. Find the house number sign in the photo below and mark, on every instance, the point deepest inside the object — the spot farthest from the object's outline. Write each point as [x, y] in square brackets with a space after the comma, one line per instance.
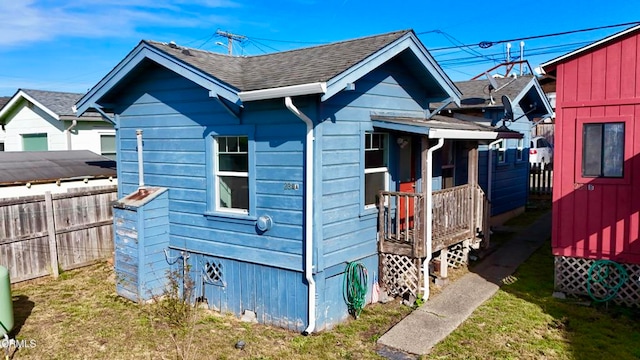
[291, 186]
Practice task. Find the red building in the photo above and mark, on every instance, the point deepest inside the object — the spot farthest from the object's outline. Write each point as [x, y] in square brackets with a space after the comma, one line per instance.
[596, 185]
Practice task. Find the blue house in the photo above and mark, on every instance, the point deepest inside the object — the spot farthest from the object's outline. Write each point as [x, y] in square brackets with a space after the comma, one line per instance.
[504, 163]
[264, 176]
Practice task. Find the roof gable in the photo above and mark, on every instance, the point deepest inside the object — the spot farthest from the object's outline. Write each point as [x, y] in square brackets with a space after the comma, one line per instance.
[324, 70]
[550, 65]
[476, 94]
[57, 104]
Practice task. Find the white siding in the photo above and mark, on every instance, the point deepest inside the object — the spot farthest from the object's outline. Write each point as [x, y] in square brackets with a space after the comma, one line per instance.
[32, 120]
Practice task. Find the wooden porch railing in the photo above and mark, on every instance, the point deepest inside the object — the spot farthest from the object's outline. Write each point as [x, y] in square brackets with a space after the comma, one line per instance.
[401, 224]
[459, 213]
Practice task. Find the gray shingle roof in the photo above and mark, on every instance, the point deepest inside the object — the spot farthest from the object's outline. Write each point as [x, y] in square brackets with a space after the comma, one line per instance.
[475, 93]
[58, 102]
[4, 100]
[436, 122]
[43, 166]
[301, 66]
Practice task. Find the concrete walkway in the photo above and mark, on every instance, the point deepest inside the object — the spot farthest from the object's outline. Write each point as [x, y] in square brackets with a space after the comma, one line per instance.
[417, 333]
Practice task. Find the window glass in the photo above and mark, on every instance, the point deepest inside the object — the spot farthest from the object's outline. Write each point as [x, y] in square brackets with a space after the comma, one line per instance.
[232, 175]
[603, 150]
[108, 146]
[375, 166]
[35, 142]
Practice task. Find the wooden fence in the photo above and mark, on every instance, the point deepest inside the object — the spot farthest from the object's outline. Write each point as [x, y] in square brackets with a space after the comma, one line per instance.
[541, 180]
[41, 234]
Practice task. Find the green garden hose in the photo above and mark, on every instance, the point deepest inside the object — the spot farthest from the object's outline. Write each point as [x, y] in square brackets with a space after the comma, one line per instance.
[355, 287]
[607, 275]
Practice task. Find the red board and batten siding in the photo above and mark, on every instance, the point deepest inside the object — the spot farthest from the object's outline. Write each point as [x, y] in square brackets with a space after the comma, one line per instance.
[598, 218]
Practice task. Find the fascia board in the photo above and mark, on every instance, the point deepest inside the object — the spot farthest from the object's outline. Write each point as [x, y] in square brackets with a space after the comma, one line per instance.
[408, 41]
[22, 95]
[435, 133]
[145, 51]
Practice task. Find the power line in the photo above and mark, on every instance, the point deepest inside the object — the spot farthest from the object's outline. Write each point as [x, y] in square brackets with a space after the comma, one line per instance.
[488, 44]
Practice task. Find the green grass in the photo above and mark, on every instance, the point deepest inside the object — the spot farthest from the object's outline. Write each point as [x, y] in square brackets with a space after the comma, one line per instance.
[524, 321]
[79, 316]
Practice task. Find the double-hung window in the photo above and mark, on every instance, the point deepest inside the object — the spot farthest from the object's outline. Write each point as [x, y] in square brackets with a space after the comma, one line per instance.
[232, 173]
[603, 150]
[375, 166]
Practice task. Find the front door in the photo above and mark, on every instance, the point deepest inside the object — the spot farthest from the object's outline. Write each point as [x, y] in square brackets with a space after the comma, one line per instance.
[407, 170]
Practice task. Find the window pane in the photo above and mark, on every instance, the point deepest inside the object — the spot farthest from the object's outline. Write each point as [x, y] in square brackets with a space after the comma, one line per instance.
[244, 144]
[1, 146]
[222, 144]
[234, 192]
[35, 142]
[374, 159]
[233, 162]
[592, 150]
[232, 144]
[613, 149]
[372, 184]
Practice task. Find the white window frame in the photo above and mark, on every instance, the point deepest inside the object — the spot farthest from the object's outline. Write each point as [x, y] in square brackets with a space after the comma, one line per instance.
[520, 149]
[502, 149]
[218, 173]
[384, 169]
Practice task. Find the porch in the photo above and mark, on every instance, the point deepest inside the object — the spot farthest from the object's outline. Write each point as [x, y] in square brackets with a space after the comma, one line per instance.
[460, 220]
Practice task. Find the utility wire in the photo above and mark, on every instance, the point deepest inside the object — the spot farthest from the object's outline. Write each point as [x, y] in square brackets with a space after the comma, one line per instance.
[487, 44]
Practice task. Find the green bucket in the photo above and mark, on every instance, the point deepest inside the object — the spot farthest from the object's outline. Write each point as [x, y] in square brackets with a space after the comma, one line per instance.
[6, 303]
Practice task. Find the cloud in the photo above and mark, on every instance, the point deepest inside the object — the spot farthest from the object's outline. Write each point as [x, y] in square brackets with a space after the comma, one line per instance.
[27, 21]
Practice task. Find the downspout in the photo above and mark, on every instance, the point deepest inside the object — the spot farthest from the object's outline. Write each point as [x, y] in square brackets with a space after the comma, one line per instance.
[140, 163]
[429, 224]
[490, 169]
[74, 123]
[308, 219]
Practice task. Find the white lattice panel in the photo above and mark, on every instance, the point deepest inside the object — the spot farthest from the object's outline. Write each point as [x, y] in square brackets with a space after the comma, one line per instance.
[401, 274]
[571, 276]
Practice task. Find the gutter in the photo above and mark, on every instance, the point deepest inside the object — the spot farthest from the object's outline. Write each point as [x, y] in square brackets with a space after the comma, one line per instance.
[74, 123]
[308, 220]
[284, 91]
[429, 227]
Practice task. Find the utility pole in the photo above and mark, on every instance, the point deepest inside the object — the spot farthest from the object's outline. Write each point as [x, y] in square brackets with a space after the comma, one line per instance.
[230, 37]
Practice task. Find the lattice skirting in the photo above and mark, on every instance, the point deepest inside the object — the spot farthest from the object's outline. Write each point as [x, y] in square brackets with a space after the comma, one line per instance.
[571, 275]
[401, 275]
[458, 256]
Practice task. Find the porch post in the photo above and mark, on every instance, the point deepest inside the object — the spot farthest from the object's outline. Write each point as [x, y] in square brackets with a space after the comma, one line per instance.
[423, 189]
[473, 181]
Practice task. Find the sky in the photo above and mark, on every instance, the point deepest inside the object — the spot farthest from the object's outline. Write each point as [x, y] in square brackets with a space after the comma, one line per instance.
[69, 45]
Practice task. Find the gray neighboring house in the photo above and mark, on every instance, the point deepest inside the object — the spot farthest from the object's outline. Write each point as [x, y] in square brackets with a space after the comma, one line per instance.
[38, 120]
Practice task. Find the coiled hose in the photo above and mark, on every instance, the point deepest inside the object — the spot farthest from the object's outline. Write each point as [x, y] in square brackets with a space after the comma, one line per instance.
[355, 287]
[607, 275]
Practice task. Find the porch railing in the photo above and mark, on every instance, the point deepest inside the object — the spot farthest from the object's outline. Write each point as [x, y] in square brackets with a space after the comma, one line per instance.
[459, 213]
[401, 223]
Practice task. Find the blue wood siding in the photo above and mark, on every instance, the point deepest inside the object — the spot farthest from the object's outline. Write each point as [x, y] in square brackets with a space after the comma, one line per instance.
[125, 223]
[174, 115]
[277, 297]
[349, 231]
[510, 178]
[141, 235]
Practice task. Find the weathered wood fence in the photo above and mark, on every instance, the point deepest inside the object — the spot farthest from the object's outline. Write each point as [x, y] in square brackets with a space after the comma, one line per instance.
[541, 180]
[41, 234]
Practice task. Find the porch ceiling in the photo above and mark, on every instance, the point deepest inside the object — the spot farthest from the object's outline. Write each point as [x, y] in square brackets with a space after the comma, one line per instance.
[436, 127]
